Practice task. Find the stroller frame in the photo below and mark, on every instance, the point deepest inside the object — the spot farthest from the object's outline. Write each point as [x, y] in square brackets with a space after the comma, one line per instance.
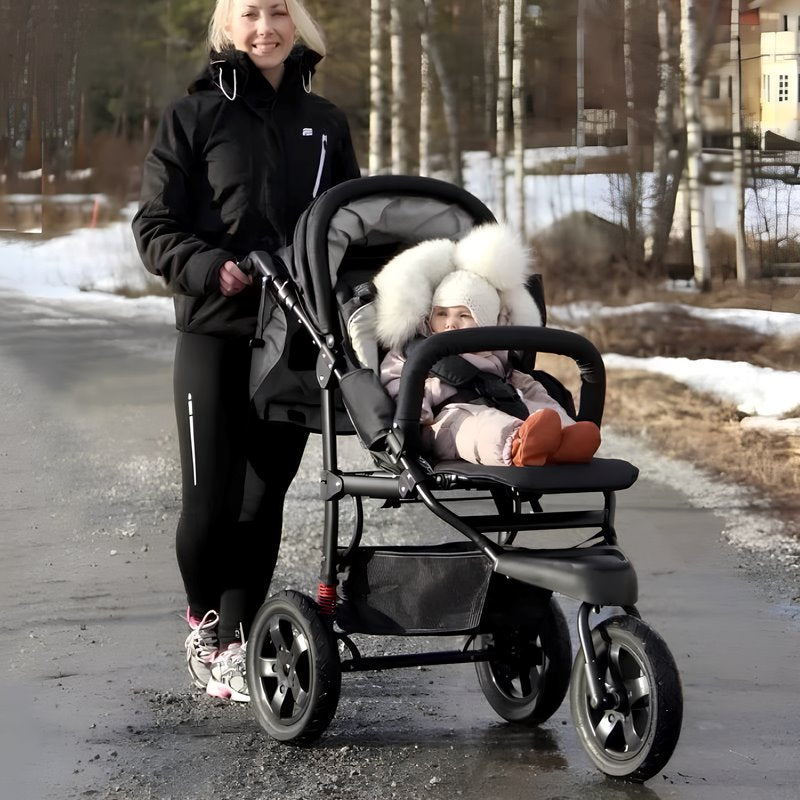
[596, 572]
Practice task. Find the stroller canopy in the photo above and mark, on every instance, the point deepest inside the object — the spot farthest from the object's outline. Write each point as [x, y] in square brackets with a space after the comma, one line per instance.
[344, 237]
[380, 216]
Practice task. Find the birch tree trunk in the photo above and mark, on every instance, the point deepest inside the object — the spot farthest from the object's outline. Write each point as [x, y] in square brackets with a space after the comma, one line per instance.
[377, 87]
[580, 118]
[632, 196]
[669, 155]
[694, 143]
[503, 97]
[662, 140]
[663, 132]
[630, 103]
[518, 114]
[425, 92]
[490, 67]
[742, 275]
[398, 129]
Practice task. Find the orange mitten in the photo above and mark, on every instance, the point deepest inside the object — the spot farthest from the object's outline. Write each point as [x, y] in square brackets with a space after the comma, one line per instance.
[538, 437]
[579, 442]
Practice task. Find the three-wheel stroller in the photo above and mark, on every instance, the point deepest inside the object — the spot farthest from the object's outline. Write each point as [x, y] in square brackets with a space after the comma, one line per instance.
[315, 361]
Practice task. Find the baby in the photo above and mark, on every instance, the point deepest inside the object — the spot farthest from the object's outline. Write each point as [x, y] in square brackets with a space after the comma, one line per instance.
[475, 406]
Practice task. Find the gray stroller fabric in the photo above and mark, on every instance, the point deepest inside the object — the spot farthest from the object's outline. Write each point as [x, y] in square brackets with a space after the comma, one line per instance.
[385, 219]
[284, 386]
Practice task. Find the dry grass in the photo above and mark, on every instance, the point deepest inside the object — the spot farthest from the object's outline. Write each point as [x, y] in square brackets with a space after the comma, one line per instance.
[707, 433]
[685, 424]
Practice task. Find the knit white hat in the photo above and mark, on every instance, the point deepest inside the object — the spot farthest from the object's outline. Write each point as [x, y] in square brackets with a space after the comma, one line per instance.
[464, 288]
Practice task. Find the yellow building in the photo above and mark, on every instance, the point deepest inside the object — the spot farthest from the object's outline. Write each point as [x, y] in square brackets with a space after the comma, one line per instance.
[769, 33]
[779, 62]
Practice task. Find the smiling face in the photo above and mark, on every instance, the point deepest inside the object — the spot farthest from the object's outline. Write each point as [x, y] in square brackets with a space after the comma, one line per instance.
[451, 318]
[264, 30]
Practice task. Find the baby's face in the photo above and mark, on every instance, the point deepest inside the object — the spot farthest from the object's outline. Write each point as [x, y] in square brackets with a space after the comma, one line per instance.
[451, 318]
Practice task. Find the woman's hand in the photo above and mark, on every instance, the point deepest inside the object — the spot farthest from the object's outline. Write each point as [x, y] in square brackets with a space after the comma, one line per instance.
[232, 280]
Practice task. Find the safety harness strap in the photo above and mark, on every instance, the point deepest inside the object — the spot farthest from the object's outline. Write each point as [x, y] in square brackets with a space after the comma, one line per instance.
[475, 386]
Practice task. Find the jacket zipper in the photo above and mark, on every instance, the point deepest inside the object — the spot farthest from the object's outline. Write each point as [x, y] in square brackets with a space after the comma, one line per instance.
[322, 154]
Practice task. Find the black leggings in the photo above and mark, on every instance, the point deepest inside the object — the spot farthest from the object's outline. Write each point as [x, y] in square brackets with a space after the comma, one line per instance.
[236, 470]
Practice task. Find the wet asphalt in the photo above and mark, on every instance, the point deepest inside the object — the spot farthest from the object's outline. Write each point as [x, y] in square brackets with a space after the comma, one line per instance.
[95, 701]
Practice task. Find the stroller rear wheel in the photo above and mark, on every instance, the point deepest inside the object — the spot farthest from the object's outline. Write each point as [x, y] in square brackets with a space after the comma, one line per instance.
[528, 677]
[635, 738]
[293, 670]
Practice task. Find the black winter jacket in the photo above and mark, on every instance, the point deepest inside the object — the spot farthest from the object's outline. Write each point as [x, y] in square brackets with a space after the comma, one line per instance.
[233, 166]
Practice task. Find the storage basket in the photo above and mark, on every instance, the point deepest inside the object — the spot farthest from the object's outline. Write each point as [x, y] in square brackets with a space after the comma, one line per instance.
[412, 590]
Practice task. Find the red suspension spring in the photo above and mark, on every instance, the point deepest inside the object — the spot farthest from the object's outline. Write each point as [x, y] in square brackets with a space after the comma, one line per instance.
[326, 598]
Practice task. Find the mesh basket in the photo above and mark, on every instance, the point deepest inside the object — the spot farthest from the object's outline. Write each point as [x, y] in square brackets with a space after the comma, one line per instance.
[412, 590]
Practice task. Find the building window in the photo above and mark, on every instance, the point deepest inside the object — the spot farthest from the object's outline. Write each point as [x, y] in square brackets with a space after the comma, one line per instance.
[786, 22]
[712, 87]
[783, 88]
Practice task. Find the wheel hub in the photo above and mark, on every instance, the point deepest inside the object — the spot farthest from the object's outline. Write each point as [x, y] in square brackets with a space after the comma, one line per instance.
[289, 645]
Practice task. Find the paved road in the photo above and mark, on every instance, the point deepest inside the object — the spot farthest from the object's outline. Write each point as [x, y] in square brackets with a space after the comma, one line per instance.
[94, 698]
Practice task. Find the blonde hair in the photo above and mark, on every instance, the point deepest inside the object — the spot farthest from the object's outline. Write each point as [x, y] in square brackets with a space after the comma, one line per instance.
[307, 29]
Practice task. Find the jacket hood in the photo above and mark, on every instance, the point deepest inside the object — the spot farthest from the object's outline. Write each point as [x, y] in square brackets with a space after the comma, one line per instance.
[407, 284]
[232, 72]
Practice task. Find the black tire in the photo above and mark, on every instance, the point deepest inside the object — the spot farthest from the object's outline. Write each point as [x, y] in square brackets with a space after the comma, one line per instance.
[636, 739]
[528, 678]
[293, 670]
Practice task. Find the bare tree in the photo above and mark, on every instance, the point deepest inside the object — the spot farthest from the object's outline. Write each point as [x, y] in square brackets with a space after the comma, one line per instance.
[630, 102]
[633, 195]
[692, 81]
[398, 128]
[503, 98]
[377, 86]
[424, 92]
[446, 80]
[518, 115]
[738, 145]
[580, 63]
[489, 25]
[666, 172]
[18, 89]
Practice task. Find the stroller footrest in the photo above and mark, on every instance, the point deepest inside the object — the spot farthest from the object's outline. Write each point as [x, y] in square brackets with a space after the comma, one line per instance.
[599, 475]
[600, 575]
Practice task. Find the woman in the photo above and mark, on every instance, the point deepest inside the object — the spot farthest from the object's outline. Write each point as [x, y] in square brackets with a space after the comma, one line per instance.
[234, 164]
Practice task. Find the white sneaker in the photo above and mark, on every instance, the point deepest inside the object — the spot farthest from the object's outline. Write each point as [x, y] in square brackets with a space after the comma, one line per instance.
[228, 674]
[201, 646]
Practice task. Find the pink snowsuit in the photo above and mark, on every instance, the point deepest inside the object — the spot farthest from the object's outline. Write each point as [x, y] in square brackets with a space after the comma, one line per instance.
[474, 432]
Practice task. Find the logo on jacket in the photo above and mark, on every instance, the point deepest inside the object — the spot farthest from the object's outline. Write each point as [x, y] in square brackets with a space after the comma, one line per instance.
[308, 131]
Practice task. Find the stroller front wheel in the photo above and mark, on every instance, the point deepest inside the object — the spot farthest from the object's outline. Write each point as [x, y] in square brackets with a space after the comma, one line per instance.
[293, 670]
[636, 738]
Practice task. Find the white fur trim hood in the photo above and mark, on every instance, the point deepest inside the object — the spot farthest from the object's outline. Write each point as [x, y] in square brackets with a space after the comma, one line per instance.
[406, 285]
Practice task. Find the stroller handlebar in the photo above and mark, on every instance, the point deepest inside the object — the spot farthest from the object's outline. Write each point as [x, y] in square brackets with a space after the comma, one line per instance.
[472, 340]
[260, 262]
